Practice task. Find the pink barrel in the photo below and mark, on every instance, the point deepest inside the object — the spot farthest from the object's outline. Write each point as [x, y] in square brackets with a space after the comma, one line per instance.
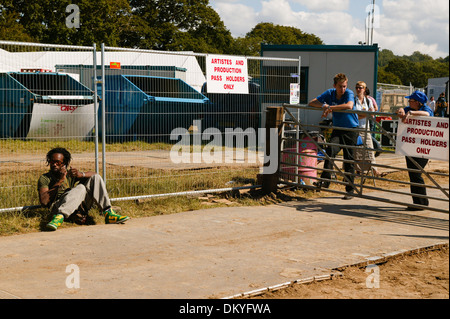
[304, 159]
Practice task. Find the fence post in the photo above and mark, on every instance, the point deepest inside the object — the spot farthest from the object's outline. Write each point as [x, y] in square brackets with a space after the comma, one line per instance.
[94, 62]
[274, 119]
[103, 115]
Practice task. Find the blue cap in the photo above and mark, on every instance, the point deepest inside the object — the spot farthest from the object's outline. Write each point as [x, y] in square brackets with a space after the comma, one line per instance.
[418, 96]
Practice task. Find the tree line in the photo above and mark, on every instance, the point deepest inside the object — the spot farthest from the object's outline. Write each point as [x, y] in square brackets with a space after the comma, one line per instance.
[177, 25]
[416, 68]
[172, 25]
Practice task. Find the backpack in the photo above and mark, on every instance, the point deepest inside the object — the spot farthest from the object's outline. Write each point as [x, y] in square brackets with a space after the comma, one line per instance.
[441, 103]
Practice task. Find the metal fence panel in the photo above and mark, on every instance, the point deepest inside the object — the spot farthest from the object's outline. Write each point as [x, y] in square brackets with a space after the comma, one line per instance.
[41, 106]
[180, 137]
[303, 152]
[160, 131]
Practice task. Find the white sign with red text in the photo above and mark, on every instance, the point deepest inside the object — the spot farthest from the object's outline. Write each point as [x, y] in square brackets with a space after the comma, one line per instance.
[227, 74]
[294, 97]
[424, 137]
[61, 121]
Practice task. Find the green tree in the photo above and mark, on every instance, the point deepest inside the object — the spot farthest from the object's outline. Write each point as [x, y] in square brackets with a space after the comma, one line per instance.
[435, 68]
[384, 57]
[416, 68]
[247, 46]
[443, 60]
[269, 33]
[418, 57]
[11, 29]
[278, 34]
[407, 71]
[388, 77]
[101, 21]
[178, 25]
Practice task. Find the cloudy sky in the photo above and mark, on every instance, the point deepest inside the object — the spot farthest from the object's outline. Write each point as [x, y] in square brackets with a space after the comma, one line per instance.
[402, 26]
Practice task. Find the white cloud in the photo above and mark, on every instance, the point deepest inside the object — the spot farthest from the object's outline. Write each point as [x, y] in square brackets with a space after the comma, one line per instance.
[277, 11]
[324, 5]
[238, 18]
[417, 9]
[420, 25]
[332, 27]
[404, 26]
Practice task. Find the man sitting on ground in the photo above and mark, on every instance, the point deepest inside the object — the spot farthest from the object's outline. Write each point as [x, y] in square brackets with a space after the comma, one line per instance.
[66, 190]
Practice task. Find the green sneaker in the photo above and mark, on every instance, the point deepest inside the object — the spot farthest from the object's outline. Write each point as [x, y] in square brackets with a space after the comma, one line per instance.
[111, 217]
[56, 222]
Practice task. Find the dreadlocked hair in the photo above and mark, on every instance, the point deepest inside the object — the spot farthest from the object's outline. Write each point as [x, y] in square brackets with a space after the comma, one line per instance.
[60, 150]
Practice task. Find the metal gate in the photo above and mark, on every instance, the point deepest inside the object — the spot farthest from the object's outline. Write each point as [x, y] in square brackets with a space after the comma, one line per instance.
[303, 152]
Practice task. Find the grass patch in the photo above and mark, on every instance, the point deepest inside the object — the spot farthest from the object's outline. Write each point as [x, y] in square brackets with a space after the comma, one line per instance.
[12, 223]
[74, 146]
[18, 185]
[35, 220]
[19, 189]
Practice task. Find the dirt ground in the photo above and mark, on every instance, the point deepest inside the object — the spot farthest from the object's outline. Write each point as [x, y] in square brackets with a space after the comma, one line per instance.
[420, 276]
[417, 276]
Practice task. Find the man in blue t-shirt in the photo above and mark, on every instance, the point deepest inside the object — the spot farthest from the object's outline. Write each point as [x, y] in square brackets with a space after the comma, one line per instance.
[338, 99]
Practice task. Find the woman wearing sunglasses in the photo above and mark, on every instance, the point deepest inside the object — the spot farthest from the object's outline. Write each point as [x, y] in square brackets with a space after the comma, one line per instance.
[363, 103]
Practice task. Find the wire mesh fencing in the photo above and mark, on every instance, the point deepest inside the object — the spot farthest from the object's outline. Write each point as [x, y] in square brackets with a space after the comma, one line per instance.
[41, 107]
[145, 120]
[182, 136]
